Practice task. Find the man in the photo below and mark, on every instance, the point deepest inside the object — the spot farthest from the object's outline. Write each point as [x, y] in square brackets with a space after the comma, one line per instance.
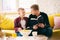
[20, 22]
[38, 21]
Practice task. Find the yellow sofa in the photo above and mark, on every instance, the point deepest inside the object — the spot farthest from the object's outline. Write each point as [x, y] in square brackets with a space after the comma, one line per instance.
[8, 24]
[51, 20]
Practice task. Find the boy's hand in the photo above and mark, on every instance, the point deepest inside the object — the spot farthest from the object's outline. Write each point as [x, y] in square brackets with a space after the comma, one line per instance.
[19, 29]
[35, 27]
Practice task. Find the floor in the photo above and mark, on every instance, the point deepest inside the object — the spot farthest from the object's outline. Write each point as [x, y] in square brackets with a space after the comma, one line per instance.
[56, 36]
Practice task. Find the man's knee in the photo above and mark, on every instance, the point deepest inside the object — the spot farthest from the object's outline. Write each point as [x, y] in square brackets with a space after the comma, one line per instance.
[49, 32]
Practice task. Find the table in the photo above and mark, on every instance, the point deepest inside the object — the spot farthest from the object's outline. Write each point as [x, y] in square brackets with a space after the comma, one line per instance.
[32, 38]
[39, 37]
[27, 38]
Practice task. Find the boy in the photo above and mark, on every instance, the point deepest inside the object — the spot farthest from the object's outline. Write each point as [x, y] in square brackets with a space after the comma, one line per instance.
[20, 22]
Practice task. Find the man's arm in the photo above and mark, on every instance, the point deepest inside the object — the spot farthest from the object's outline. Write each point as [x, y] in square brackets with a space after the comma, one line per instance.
[28, 23]
[46, 20]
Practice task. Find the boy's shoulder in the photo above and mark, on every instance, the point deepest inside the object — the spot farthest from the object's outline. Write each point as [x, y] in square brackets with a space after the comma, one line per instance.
[26, 17]
[17, 19]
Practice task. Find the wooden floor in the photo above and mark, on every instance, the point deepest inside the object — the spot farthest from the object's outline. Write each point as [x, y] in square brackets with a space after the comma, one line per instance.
[56, 36]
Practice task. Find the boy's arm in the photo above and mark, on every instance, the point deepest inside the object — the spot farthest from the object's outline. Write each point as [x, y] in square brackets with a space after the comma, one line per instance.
[15, 25]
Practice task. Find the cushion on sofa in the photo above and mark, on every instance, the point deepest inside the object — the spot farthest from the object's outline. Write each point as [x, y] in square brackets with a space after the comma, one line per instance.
[57, 22]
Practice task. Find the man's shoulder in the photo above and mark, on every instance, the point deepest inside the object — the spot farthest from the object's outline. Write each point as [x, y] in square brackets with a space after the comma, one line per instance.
[30, 15]
[43, 13]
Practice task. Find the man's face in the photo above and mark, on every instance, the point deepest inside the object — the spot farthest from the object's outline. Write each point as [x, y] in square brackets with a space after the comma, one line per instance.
[34, 12]
[21, 13]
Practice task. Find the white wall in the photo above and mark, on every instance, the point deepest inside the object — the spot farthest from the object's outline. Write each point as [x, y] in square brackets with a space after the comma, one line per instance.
[57, 5]
[49, 6]
[0, 5]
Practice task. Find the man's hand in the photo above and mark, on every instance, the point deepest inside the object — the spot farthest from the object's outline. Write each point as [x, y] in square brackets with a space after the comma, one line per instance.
[41, 25]
[19, 29]
[35, 27]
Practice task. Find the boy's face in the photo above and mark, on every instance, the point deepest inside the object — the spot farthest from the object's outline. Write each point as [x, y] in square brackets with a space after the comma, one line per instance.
[21, 13]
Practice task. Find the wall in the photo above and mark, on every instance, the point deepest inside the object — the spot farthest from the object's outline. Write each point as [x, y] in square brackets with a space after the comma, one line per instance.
[0, 5]
[49, 6]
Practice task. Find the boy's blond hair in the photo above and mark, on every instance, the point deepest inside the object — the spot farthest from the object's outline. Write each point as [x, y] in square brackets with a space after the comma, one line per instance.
[20, 9]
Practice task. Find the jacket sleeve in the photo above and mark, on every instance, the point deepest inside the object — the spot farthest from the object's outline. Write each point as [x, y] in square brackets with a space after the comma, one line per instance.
[28, 22]
[46, 20]
[15, 25]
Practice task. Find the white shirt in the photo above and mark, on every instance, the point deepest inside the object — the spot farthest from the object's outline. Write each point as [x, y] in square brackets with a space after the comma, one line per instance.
[23, 23]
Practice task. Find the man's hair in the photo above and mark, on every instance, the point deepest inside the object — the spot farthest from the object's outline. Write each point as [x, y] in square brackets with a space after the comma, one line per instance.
[20, 9]
[35, 7]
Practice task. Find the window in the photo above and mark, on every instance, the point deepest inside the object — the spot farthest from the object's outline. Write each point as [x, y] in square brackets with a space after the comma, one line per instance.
[12, 5]
[26, 4]
[9, 5]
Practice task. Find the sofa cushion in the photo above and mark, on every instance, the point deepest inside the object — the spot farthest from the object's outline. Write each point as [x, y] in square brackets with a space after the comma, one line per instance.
[56, 22]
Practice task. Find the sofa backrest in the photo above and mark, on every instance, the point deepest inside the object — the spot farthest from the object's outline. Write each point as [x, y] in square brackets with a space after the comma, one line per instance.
[51, 19]
[9, 23]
